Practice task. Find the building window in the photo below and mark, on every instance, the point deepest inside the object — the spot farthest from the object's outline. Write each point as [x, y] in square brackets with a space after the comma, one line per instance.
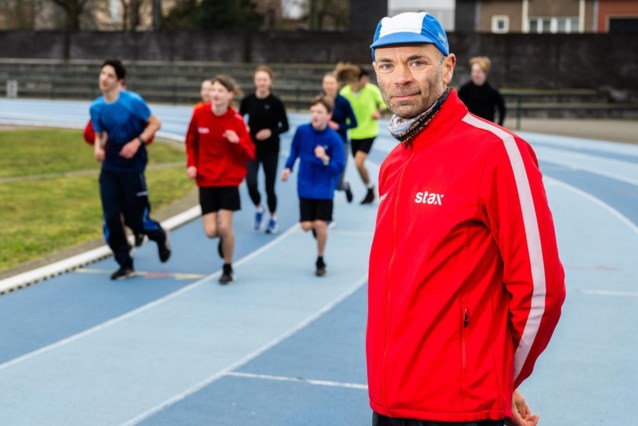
[500, 24]
[553, 25]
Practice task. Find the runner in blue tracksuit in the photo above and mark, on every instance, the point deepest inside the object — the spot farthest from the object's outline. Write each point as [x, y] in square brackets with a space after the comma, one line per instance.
[322, 159]
[123, 125]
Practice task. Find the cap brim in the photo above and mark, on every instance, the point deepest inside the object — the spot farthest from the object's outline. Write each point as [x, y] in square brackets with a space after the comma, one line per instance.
[401, 38]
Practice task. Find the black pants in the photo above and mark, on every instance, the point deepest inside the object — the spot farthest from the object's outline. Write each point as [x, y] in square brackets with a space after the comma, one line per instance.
[269, 161]
[125, 194]
[340, 185]
[379, 420]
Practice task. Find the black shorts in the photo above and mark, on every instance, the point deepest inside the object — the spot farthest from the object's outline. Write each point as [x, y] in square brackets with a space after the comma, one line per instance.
[213, 199]
[363, 145]
[312, 209]
[379, 420]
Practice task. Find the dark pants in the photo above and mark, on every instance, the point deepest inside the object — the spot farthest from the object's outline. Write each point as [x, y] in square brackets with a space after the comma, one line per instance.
[125, 194]
[269, 162]
[379, 420]
[340, 185]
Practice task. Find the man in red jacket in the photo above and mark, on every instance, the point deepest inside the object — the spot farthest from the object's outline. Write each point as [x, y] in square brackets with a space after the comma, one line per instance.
[465, 282]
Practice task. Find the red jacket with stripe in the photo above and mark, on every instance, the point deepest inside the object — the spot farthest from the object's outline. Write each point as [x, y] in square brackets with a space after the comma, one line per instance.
[219, 162]
[465, 282]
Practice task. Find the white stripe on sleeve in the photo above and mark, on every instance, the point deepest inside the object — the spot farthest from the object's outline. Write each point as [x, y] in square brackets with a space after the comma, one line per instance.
[532, 234]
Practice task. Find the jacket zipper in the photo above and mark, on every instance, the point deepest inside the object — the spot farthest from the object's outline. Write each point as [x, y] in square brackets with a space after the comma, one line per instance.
[466, 323]
[387, 306]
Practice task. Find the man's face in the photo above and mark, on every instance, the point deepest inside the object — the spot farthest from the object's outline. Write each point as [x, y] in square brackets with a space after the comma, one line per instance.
[319, 116]
[108, 79]
[412, 77]
[478, 75]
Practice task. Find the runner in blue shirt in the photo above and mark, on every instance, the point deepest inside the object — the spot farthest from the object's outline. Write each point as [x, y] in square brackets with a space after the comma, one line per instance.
[123, 124]
[322, 158]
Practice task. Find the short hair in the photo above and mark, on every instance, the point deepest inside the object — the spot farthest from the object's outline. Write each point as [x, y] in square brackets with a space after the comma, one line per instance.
[228, 82]
[323, 100]
[117, 65]
[266, 69]
[483, 62]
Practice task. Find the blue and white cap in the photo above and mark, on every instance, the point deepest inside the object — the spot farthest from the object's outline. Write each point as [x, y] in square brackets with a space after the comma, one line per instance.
[408, 28]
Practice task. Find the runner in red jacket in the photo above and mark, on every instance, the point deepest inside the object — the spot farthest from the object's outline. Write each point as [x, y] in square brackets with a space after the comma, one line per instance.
[218, 148]
[465, 282]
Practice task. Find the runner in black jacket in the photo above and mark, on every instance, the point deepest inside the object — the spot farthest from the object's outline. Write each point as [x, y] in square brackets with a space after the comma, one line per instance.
[267, 120]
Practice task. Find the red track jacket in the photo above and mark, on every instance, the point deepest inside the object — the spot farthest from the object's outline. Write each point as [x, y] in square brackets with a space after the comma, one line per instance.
[465, 283]
[218, 161]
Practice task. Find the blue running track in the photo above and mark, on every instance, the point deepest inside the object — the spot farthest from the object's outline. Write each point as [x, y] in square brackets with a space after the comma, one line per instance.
[282, 347]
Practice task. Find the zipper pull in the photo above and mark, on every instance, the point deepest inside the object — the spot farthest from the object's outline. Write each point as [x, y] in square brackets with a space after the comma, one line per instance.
[466, 317]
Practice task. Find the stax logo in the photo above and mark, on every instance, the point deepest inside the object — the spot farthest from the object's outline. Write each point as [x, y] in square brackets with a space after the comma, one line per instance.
[429, 198]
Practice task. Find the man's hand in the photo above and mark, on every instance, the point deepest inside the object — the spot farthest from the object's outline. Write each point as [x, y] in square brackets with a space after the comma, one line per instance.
[128, 151]
[99, 154]
[231, 136]
[521, 414]
[285, 174]
[333, 125]
[376, 115]
[263, 134]
[191, 172]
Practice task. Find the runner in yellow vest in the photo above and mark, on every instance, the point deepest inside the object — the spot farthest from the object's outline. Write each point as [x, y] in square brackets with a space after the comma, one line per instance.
[367, 104]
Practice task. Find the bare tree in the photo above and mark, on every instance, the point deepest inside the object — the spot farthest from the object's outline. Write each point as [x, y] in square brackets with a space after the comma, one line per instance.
[73, 10]
[328, 14]
[157, 14]
[19, 15]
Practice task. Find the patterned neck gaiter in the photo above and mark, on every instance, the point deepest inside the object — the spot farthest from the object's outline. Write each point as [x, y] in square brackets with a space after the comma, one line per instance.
[406, 129]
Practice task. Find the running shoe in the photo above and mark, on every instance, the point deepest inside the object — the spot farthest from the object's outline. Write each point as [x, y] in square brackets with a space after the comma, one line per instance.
[164, 248]
[332, 224]
[273, 226]
[123, 273]
[227, 275]
[348, 191]
[321, 268]
[259, 218]
[369, 198]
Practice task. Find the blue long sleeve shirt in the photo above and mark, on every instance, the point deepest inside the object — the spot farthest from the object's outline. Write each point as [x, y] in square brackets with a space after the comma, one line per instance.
[316, 180]
[343, 115]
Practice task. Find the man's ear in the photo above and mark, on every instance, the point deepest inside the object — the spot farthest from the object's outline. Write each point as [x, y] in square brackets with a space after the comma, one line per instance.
[449, 63]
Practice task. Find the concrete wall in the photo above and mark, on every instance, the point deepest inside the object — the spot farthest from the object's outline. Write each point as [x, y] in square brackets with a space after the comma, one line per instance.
[519, 60]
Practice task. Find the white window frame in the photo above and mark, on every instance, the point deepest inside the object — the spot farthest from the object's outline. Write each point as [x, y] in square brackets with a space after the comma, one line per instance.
[496, 20]
[536, 24]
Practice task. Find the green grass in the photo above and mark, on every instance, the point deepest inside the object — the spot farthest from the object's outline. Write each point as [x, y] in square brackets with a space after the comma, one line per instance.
[41, 216]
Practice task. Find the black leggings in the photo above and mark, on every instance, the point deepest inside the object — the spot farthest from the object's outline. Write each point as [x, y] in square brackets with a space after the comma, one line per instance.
[269, 161]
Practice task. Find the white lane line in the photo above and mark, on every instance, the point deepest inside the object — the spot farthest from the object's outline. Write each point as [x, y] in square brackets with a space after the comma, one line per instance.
[145, 274]
[207, 381]
[82, 259]
[610, 293]
[299, 380]
[143, 308]
[624, 219]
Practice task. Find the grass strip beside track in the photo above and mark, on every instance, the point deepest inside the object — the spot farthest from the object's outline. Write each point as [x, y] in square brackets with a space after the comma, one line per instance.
[39, 217]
